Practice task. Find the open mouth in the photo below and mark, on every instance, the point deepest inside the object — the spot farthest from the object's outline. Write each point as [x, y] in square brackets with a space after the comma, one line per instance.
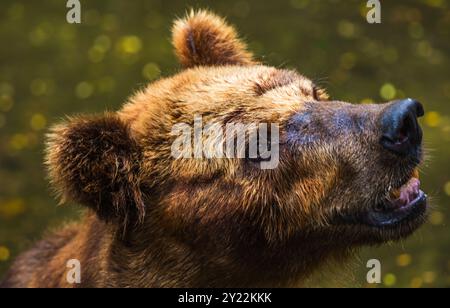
[405, 204]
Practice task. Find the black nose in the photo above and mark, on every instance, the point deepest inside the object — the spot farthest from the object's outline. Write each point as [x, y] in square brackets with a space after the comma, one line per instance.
[401, 132]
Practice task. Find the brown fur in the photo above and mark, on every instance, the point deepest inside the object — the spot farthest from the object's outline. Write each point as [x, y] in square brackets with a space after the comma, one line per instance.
[105, 156]
[156, 221]
[205, 39]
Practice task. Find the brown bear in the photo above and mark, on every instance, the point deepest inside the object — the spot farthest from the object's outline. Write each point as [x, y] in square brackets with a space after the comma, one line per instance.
[346, 177]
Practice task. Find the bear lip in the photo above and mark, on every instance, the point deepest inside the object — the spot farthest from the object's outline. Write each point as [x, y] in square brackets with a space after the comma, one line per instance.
[401, 197]
[404, 205]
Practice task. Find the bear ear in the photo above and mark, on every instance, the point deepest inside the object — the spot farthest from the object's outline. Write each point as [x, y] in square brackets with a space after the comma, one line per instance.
[94, 160]
[202, 38]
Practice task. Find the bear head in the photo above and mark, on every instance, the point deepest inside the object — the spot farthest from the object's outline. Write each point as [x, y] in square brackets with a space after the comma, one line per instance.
[343, 175]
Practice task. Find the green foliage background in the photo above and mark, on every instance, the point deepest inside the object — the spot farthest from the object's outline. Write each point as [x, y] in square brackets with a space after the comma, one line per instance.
[50, 68]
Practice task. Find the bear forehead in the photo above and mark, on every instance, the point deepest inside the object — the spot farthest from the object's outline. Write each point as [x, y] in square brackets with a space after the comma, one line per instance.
[246, 80]
[261, 92]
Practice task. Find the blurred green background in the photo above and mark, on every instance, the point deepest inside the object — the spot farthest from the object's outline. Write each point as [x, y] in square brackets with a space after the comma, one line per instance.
[50, 68]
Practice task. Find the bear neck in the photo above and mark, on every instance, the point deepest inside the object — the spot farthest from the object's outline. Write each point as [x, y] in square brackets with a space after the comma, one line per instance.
[153, 256]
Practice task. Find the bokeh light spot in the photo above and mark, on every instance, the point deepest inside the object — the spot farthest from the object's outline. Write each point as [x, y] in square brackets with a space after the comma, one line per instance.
[12, 208]
[96, 54]
[109, 22]
[18, 142]
[84, 90]
[7, 89]
[4, 253]
[6, 103]
[130, 44]
[151, 71]
[404, 260]
[429, 277]
[388, 91]
[103, 42]
[40, 87]
[38, 122]
[415, 30]
[416, 283]
[367, 101]
[41, 34]
[363, 9]
[436, 3]
[101, 45]
[432, 119]
[348, 60]
[424, 49]
[447, 188]
[389, 280]
[346, 29]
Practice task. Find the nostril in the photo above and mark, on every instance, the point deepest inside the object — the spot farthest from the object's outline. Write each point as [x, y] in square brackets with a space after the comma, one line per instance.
[405, 130]
[402, 138]
[401, 130]
[400, 134]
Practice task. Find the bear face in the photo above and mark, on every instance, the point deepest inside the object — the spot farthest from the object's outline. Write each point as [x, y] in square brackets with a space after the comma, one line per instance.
[345, 174]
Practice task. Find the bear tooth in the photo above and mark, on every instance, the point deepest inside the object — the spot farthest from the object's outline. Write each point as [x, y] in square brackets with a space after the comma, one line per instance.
[395, 193]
